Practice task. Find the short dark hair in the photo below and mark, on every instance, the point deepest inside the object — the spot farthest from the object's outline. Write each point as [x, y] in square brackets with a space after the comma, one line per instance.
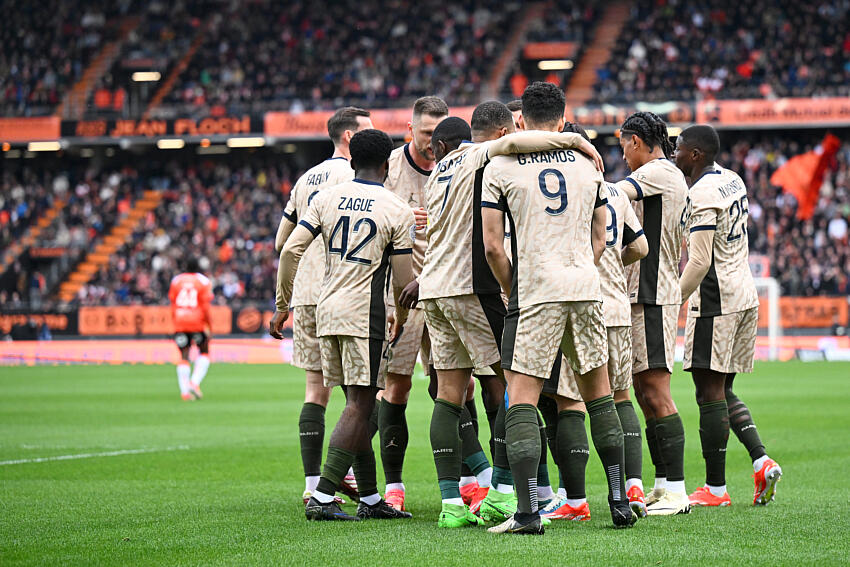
[452, 131]
[344, 119]
[430, 105]
[193, 266]
[576, 129]
[543, 103]
[370, 148]
[650, 128]
[491, 115]
[702, 137]
[514, 105]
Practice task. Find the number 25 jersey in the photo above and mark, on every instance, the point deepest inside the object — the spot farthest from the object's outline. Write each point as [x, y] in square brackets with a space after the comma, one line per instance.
[550, 198]
[718, 201]
[362, 225]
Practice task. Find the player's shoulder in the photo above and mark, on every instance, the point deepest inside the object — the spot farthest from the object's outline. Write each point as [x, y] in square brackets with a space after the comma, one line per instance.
[659, 168]
[204, 280]
[392, 201]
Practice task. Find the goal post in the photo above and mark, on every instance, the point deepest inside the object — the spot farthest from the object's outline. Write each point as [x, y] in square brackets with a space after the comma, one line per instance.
[768, 288]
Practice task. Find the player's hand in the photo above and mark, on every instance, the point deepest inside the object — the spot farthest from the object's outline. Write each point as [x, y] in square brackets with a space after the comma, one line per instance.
[587, 148]
[409, 295]
[420, 217]
[395, 332]
[276, 324]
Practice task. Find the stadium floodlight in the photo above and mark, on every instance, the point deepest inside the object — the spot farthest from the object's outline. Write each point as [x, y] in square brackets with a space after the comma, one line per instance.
[555, 64]
[170, 144]
[44, 147]
[255, 142]
[146, 76]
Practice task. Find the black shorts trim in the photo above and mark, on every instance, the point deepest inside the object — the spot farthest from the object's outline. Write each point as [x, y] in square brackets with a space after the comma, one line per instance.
[494, 310]
[550, 384]
[653, 326]
[376, 353]
[509, 338]
[703, 342]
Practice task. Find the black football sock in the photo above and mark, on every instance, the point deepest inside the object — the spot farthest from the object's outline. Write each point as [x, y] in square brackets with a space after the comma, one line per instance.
[393, 427]
[671, 442]
[522, 438]
[336, 467]
[631, 439]
[446, 446]
[654, 450]
[573, 452]
[311, 432]
[607, 435]
[365, 473]
[470, 445]
[501, 466]
[714, 435]
[542, 465]
[491, 420]
[549, 410]
[741, 422]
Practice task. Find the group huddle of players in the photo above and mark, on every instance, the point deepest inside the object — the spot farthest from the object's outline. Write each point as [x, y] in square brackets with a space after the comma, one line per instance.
[512, 260]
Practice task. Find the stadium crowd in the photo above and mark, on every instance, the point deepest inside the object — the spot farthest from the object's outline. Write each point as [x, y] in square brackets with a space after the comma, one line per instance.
[226, 215]
[308, 55]
[727, 49]
[46, 47]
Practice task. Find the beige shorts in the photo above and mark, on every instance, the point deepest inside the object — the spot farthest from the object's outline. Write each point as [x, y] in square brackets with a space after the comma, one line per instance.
[461, 332]
[723, 343]
[533, 336]
[653, 336]
[306, 352]
[353, 361]
[619, 366]
[401, 356]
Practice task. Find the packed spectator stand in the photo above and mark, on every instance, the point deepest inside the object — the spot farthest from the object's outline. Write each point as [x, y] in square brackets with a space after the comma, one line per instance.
[727, 49]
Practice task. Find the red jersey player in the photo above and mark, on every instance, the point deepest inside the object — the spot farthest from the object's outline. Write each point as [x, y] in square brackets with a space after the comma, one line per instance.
[190, 295]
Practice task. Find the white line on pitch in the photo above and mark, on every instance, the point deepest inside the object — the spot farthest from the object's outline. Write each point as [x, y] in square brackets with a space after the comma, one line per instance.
[92, 455]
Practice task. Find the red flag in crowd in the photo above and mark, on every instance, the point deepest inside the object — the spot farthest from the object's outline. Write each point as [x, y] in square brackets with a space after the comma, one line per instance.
[802, 175]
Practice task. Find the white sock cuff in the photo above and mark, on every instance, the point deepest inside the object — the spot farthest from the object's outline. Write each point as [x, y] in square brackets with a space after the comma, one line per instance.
[464, 480]
[676, 486]
[630, 482]
[395, 486]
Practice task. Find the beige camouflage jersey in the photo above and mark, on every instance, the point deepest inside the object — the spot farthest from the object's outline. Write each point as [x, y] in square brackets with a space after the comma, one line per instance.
[407, 180]
[661, 193]
[555, 300]
[549, 197]
[454, 261]
[718, 201]
[722, 321]
[311, 270]
[362, 224]
[622, 229]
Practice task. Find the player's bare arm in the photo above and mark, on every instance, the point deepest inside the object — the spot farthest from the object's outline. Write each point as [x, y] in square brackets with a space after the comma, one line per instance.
[636, 250]
[493, 234]
[699, 262]
[538, 141]
[284, 229]
[290, 256]
[402, 274]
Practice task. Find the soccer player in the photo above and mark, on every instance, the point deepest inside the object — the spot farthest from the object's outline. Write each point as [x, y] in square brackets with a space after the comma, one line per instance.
[720, 335]
[306, 354]
[515, 106]
[410, 166]
[190, 295]
[625, 243]
[658, 190]
[366, 231]
[557, 219]
[464, 310]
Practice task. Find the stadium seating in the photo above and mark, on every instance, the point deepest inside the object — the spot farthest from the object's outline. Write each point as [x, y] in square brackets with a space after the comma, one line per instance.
[226, 215]
[729, 49]
[295, 55]
[46, 46]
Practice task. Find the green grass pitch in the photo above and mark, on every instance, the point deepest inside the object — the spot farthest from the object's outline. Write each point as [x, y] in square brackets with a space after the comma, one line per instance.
[228, 490]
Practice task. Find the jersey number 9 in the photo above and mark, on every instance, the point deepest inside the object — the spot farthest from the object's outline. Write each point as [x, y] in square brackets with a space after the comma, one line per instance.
[560, 194]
